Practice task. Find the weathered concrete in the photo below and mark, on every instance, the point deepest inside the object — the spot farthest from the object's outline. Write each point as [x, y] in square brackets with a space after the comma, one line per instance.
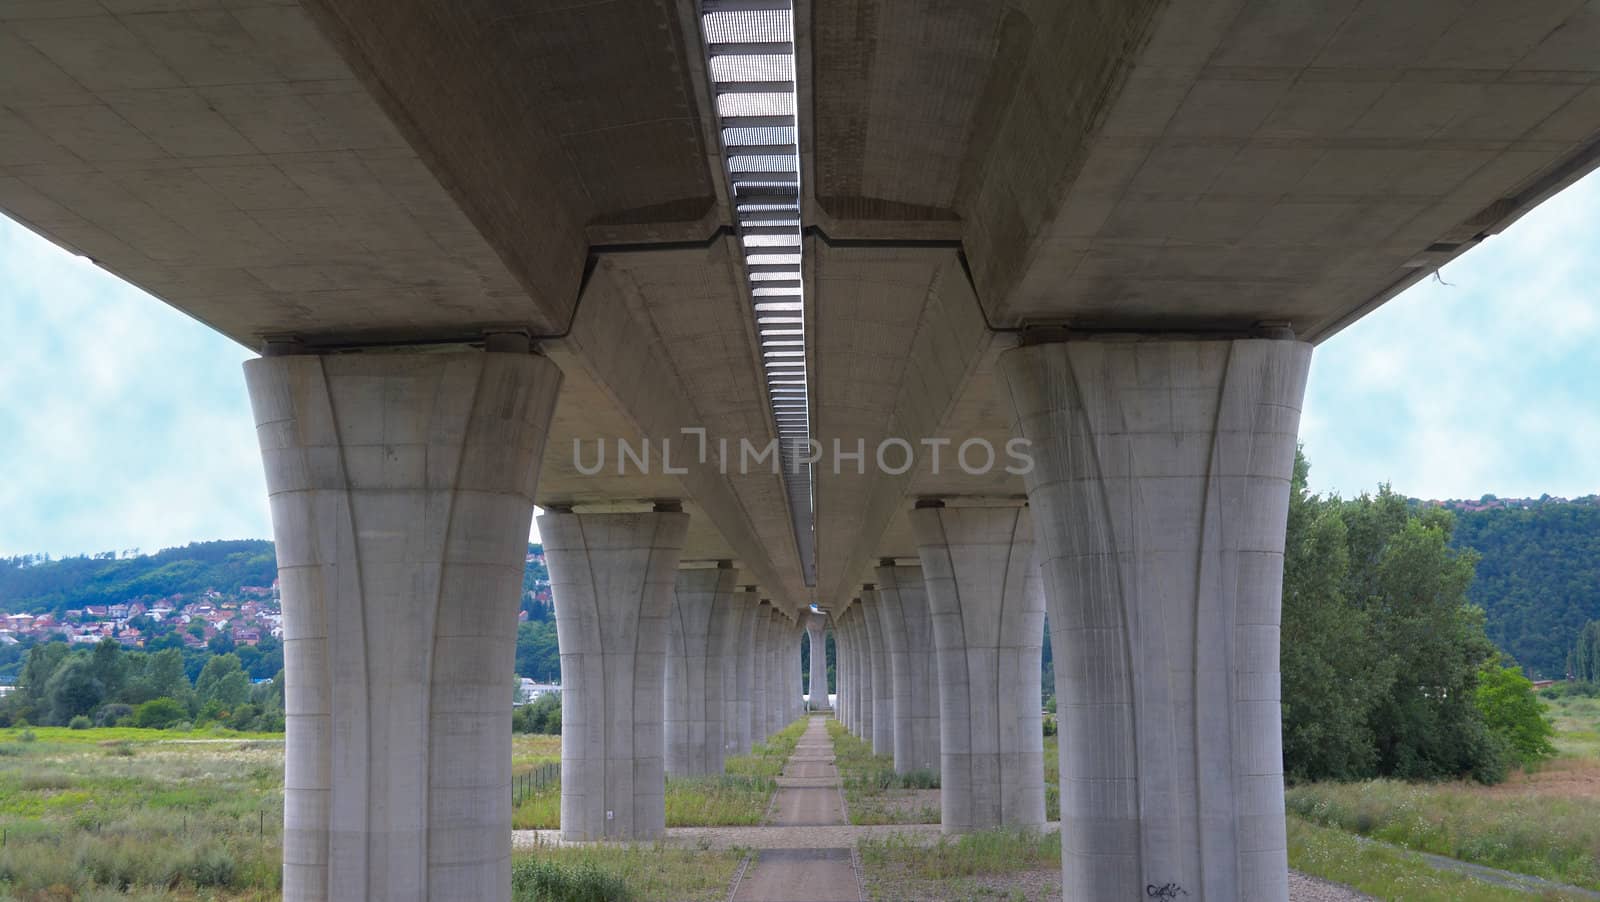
[1161, 487]
[988, 625]
[759, 683]
[692, 702]
[817, 649]
[612, 578]
[729, 616]
[882, 736]
[863, 697]
[914, 670]
[749, 629]
[401, 488]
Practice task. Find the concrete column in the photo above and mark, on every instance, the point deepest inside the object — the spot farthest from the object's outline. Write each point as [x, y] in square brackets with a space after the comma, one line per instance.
[612, 578]
[1161, 485]
[882, 674]
[914, 672]
[692, 700]
[759, 696]
[841, 668]
[728, 619]
[988, 626]
[817, 681]
[776, 633]
[748, 646]
[865, 701]
[401, 489]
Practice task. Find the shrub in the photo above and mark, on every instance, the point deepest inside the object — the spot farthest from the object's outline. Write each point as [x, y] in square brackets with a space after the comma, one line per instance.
[546, 881]
[159, 713]
[111, 715]
[80, 722]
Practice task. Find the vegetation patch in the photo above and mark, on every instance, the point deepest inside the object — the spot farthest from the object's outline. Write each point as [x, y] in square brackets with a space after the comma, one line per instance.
[1387, 872]
[618, 873]
[874, 793]
[992, 864]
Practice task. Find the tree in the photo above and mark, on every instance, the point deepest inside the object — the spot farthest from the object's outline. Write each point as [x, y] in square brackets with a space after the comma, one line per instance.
[222, 680]
[73, 689]
[1583, 661]
[107, 665]
[159, 713]
[1380, 650]
[1514, 714]
[32, 683]
[1332, 670]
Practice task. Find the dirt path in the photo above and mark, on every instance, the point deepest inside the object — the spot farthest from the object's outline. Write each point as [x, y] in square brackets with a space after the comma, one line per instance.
[808, 796]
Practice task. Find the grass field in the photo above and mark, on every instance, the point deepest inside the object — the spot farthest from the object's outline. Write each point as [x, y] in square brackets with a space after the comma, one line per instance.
[873, 792]
[739, 797]
[1545, 823]
[86, 814]
[616, 873]
[993, 864]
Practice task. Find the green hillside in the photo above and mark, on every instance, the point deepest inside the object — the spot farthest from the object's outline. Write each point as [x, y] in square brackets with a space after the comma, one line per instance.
[36, 584]
[1539, 576]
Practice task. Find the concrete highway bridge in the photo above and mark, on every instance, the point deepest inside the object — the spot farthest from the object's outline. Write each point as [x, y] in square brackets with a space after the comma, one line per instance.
[935, 316]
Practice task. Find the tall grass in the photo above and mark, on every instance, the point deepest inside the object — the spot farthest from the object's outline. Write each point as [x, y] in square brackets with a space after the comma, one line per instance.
[145, 819]
[618, 872]
[1387, 872]
[874, 793]
[984, 852]
[739, 797]
[1545, 836]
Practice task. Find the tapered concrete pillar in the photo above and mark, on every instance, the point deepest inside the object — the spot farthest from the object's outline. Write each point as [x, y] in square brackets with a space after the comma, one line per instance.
[988, 625]
[863, 673]
[692, 702]
[914, 671]
[817, 649]
[612, 576]
[729, 614]
[759, 683]
[843, 676]
[882, 674]
[1161, 487]
[749, 646]
[401, 489]
[777, 633]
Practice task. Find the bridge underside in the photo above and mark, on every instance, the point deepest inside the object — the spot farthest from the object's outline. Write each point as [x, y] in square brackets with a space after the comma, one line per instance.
[1110, 230]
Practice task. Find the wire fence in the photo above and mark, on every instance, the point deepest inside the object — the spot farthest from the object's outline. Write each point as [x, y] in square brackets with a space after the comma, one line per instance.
[534, 780]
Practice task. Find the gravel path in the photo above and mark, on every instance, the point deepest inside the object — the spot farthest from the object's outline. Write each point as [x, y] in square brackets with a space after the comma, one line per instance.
[1305, 888]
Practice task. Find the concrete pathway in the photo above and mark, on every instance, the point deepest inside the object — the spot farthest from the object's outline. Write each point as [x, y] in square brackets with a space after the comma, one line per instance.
[808, 796]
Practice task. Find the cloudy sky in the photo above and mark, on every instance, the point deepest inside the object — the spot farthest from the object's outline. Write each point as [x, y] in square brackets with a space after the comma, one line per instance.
[124, 424]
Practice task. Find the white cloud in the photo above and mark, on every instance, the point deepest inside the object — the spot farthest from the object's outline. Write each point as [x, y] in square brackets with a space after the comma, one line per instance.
[123, 423]
[1483, 381]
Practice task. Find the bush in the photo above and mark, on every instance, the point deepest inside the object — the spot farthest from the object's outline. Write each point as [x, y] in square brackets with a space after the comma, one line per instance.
[547, 881]
[79, 722]
[159, 713]
[111, 715]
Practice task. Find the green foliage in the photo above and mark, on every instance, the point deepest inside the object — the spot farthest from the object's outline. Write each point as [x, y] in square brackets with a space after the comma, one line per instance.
[159, 713]
[538, 658]
[543, 715]
[80, 723]
[38, 584]
[1514, 714]
[1381, 649]
[536, 880]
[1539, 576]
[1583, 662]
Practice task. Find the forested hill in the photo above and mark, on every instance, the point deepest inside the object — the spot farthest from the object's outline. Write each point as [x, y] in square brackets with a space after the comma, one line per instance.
[1539, 576]
[36, 584]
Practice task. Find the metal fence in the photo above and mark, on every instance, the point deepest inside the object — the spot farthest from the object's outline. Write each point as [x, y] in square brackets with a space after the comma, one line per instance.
[534, 780]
